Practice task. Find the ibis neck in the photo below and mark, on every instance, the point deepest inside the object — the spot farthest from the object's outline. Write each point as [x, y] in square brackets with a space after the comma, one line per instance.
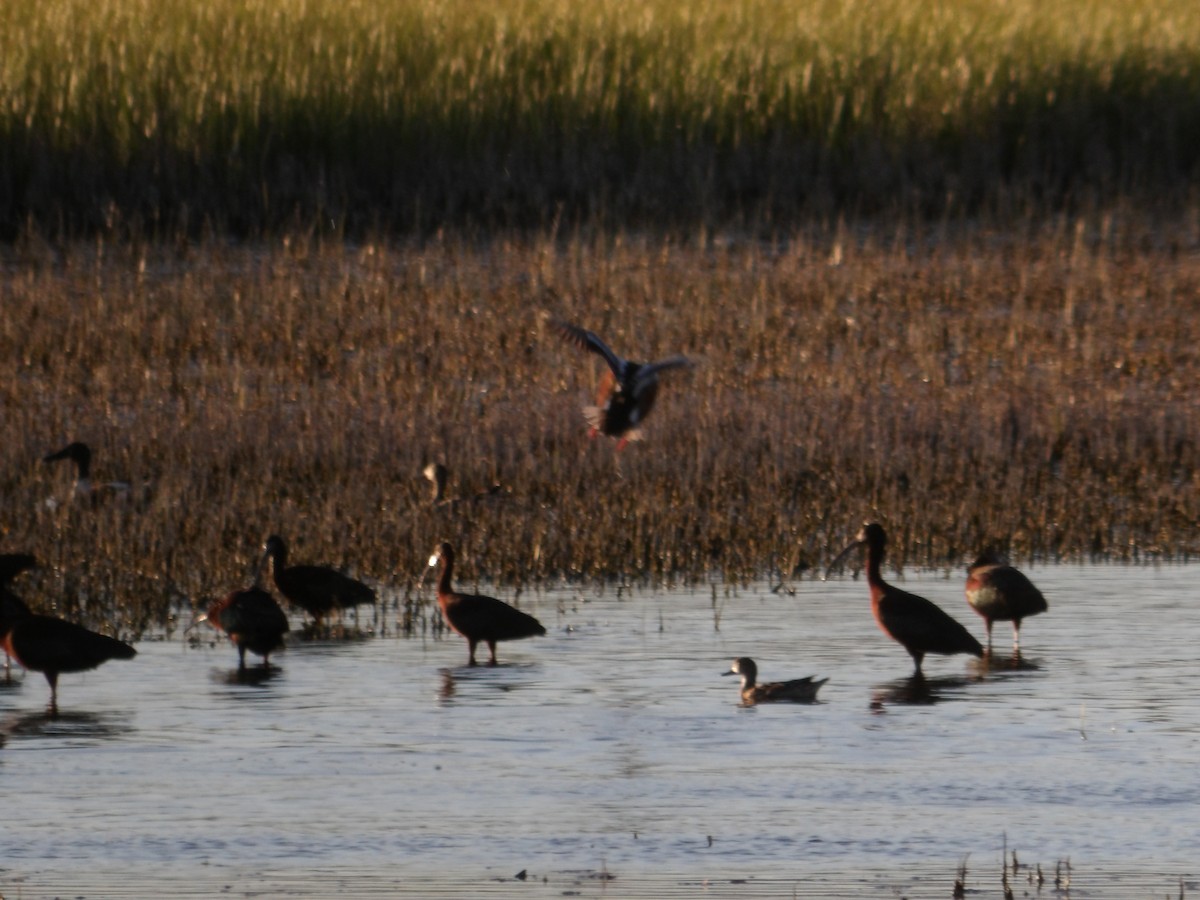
[444, 578]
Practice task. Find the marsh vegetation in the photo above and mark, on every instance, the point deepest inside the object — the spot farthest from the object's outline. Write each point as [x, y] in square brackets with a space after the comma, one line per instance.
[936, 266]
[1029, 389]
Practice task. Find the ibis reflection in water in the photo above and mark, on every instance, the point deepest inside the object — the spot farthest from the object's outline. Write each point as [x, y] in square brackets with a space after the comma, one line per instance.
[798, 690]
[476, 617]
[912, 621]
[627, 391]
[998, 592]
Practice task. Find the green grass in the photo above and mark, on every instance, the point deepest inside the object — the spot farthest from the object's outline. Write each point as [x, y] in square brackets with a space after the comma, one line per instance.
[174, 115]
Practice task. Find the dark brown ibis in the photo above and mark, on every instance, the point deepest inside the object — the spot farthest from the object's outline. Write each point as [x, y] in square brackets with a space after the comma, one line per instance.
[52, 646]
[318, 590]
[81, 455]
[627, 391]
[476, 617]
[12, 607]
[253, 621]
[998, 592]
[798, 690]
[912, 621]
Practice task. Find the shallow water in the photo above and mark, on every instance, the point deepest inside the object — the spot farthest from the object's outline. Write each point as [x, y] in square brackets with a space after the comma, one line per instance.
[610, 759]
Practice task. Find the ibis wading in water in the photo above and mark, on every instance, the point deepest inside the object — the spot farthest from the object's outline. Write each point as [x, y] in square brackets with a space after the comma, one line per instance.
[627, 391]
[52, 646]
[799, 690]
[318, 590]
[253, 621]
[912, 621]
[476, 617]
[998, 592]
[11, 606]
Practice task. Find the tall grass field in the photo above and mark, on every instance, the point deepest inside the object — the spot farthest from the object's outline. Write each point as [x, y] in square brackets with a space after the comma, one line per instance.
[1028, 390]
[936, 264]
[253, 116]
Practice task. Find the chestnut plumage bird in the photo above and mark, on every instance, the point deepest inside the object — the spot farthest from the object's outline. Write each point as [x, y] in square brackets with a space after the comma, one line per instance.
[253, 621]
[912, 621]
[12, 607]
[318, 590]
[998, 592]
[798, 690]
[476, 617]
[627, 391]
[52, 646]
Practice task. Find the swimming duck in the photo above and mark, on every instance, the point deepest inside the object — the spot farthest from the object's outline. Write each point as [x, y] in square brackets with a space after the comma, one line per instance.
[627, 391]
[800, 690]
[476, 617]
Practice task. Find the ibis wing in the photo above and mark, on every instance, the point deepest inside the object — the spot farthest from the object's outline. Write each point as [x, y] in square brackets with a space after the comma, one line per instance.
[917, 622]
[488, 619]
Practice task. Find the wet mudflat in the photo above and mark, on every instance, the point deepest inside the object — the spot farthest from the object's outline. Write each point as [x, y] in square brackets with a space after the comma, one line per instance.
[609, 758]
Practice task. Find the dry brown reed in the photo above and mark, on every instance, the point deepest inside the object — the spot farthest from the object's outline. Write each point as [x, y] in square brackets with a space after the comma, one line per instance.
[1030, 388]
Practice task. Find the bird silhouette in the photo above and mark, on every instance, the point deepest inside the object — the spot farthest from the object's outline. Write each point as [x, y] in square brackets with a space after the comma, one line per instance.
[912, 621]
[476, 617]
[318, 590]
[52, 646]
[627, 391]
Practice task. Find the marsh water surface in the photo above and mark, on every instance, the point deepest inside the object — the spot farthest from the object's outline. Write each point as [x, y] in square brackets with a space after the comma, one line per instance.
[609, 758]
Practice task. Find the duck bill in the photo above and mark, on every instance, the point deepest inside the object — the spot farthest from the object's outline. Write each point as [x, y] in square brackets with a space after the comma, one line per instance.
[837, 560]
[729, 672]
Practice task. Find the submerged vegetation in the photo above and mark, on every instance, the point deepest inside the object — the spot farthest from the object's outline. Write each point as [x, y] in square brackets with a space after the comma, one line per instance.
[1030, 389]
[169, 116]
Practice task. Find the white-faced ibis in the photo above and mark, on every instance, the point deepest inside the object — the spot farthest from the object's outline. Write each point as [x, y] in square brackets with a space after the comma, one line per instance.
[12, 607]
[318, 590]
[53, 646]
[253, 621]
[912, 621]
[476, 617]
[627, 390]
[997, 591]
[799, 690]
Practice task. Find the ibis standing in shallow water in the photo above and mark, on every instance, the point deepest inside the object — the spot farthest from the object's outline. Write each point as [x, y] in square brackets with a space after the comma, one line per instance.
[997, 591]
[318, 590]
[476, 617]
[52, 646]
[253, 621]
[912, 621]
[627, 391]
[11, 606]
[799, 690]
